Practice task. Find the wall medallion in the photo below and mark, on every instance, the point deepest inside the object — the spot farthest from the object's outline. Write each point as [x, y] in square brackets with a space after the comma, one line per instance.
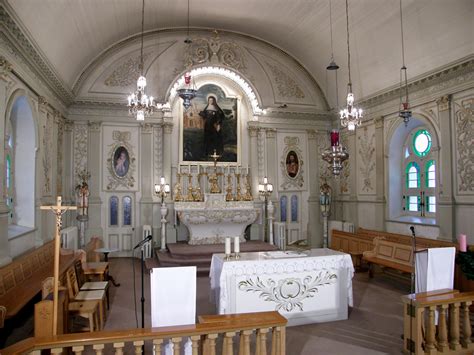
[291, 164]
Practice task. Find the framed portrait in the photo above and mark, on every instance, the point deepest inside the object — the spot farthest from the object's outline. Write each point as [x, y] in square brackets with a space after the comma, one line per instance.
[292, 164]
[210, 124]
[121, 161]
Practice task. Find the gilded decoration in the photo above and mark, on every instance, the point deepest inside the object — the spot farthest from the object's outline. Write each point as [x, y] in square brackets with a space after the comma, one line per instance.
[216, 51]
[291, 164]
[367, 158]
[288, 294]
[286, 85]
[121, 162]
[125, 74]
[465, 144]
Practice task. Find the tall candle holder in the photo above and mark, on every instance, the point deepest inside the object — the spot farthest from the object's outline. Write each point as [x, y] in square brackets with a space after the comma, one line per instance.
[197, 194]
[229, 196]
[214, 177]
[189, 196]
[238, 196]
[248, 189]
[177, 188]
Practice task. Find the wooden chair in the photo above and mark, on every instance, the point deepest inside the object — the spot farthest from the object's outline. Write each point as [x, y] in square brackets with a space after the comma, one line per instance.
[90, 285]
[87, 309]
[76, 295]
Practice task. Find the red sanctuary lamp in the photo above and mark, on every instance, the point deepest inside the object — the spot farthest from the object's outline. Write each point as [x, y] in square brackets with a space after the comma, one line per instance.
[336, 154]
[188, 92]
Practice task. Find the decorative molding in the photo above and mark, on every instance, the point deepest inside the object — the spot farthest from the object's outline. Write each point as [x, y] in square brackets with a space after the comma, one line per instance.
[465, 144]
[261, 152]
[270, 132]
[288, 293]
[286, 85]
[121, 139]
[378, 121]
[253, 131]
[81, 132]
[157, 152]
[68, 126]
[443, 103]
[292, 144]
[214, 51]
[94, 126]
[311, 133]
[59, 174]
[125, 74]
[32, 58]
[168, 127]
[5, 66]
[366, 154]
[47, 153]
[147, 128]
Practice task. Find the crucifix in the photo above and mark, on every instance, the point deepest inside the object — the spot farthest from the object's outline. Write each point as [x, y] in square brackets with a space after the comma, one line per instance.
[58, 211]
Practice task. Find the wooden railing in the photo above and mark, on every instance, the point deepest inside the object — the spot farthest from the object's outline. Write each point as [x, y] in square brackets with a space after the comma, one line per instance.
[438, 323]
[206, 338]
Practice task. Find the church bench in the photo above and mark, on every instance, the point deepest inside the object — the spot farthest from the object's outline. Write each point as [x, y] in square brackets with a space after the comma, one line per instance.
[21, 280]
[389, 254]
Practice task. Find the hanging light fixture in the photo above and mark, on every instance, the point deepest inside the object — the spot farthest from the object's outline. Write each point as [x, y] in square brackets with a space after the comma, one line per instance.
[188, 92]
[404, 108]
[140, 105]
[332, 64]
[350, 116]
[336, 154]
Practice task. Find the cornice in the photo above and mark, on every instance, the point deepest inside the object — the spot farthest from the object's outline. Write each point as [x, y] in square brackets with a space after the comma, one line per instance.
[439, 76]
[32, 57]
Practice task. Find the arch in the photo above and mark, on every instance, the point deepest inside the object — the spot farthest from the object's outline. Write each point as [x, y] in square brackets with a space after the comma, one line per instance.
[24, 130]
[250, 93]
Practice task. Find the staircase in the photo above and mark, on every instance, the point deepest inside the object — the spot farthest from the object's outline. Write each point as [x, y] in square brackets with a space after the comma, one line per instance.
[183, 254]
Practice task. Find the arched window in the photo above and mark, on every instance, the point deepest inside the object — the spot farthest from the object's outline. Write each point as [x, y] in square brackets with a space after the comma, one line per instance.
[9, 151]
[419, 166]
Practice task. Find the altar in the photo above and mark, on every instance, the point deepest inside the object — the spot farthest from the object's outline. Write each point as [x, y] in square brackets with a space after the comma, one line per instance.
[306, 287]
[211, 221]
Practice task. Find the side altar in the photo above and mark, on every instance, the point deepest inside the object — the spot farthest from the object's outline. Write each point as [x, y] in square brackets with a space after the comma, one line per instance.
[211, 221]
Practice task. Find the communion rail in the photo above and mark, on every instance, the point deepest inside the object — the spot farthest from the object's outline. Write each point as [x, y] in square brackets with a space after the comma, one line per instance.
[205, 337]
[438, 323]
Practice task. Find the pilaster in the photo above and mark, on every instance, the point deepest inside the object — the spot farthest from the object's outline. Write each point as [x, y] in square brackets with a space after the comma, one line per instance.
[315, 232]
[253, 152]
[94, 166]
[379, 175]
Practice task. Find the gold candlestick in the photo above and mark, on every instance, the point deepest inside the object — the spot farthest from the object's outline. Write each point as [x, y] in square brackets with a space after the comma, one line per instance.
[177, 188]
[213, 178]
[248, 189]
[189, 196]
[238, 196]
[229, 196]
[197, 194]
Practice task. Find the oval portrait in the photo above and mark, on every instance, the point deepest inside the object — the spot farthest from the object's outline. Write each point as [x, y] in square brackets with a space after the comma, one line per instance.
[292, 164]
[121, 161]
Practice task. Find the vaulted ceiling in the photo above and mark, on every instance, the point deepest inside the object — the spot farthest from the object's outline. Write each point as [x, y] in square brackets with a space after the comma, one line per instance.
[71, 33]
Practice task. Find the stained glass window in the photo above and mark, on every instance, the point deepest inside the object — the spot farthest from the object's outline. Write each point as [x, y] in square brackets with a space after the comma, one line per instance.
[283, 206]
[413, 176]
[422, 142]
[113, 208]
[431, 174]
[127, 211]
[294, 208]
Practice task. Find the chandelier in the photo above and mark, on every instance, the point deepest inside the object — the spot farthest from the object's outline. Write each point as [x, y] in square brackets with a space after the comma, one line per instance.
[336, 154]
[404, 108]
[188, 92]
[139, 103]
[350, 116]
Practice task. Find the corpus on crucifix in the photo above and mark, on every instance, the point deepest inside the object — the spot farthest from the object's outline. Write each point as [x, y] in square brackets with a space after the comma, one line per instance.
[213, 178]
[58, 211]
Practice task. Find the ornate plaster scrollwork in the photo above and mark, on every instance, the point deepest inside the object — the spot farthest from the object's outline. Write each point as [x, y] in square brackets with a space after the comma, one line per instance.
[125, 74]
[366, 154]
[121, 145]
[261, 152]
[465, 144]
[213, 50]
[80, 148]
[157, 152]
[59, 175]
[288, 294]
[47, 141]
[346, 166]
[292, 175]
[286, 85]
[5, 65]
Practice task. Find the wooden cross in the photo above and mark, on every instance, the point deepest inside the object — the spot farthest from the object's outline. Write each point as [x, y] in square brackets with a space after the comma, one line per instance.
[58, 211]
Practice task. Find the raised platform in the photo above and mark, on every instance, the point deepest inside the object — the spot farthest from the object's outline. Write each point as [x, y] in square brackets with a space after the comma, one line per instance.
[183, 254]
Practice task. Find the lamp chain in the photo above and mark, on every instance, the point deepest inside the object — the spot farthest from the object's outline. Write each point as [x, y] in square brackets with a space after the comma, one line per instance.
[188, 21]
[330, 27]
[404, 68]
[348, 49]
[143, 28]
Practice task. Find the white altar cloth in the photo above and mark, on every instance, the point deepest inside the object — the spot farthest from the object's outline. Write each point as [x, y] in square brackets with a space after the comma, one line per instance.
[309, 287]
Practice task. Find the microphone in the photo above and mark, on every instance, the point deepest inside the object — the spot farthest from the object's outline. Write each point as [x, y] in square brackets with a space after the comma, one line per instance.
[412, 231]
[144, 241]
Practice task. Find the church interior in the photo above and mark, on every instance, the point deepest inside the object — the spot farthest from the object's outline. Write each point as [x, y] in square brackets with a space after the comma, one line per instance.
[251, 177]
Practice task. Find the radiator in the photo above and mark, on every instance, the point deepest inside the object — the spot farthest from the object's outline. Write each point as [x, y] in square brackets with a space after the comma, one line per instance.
[69, 237]
[280, 235]
[148, 247]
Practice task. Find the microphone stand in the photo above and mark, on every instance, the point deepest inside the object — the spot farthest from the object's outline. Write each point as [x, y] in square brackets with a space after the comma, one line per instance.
[142, 300]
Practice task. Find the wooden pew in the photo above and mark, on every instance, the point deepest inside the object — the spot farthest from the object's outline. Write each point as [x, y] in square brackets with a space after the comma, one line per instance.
[389, 254]
[21, 280]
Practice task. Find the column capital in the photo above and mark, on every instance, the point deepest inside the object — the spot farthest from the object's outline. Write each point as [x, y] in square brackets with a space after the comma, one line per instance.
[94, 126]
[168, 127]
[378, 122]
[253, 131]
[68, 125]
[270, 132]
[147, 128]
[312, 134]
[443, 103]
[5, 66]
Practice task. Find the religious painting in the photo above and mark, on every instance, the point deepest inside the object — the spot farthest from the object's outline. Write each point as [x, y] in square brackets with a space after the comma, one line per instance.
[209, 125]
[292, 164]
[121, 161]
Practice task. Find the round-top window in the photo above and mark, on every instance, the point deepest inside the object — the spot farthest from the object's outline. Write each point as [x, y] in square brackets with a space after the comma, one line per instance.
[422, 142]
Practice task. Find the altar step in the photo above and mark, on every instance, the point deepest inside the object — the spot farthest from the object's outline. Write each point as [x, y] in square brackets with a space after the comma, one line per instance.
[183, 254]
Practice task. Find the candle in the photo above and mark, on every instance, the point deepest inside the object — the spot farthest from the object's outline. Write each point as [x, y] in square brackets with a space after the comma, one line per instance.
[227, 246]
[247, 169]
[334, 138]
[189, 168]
[462, 242]
[236, 245]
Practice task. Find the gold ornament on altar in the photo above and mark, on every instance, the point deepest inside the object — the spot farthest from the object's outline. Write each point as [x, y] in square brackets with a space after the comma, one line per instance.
[214, 177]
[248, 189]
[177, 188]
